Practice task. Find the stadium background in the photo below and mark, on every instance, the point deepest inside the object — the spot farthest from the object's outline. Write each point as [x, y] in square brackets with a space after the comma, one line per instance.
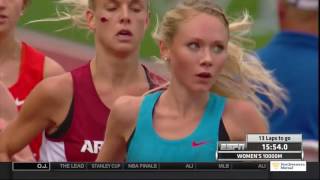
[72, 47]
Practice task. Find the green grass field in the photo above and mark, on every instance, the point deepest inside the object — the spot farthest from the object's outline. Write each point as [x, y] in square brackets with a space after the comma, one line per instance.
[40, 9]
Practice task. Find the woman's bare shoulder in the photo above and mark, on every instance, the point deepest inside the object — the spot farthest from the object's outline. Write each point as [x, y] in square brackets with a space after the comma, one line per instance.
[242, 117]
[126, 108]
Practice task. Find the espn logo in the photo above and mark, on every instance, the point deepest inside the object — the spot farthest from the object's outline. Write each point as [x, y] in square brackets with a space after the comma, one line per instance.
[232, 146]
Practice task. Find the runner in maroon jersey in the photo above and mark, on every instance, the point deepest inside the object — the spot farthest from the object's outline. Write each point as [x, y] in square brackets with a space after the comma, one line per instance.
[72, 108]
[21, 66]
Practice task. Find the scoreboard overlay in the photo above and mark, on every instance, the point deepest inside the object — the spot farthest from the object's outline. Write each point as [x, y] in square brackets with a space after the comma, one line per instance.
[262, 147]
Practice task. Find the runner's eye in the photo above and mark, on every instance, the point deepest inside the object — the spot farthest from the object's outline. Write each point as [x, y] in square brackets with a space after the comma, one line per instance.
[193, 46]
[217, 49]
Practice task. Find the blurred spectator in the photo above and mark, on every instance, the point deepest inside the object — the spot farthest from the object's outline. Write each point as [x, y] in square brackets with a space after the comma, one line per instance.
[293, 56]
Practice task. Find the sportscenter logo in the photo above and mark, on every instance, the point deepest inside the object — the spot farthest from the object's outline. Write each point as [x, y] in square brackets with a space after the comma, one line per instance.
[288, 166]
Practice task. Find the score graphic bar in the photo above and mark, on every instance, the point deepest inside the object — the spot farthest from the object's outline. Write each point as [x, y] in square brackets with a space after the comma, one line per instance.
[262, 147]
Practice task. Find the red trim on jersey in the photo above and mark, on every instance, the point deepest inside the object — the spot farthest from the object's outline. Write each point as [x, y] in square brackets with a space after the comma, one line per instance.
[30, 74]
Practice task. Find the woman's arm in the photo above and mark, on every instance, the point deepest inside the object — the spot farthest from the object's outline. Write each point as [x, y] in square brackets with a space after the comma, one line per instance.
[8, 112]
[8, 109]
[38, 113]
[120, 125]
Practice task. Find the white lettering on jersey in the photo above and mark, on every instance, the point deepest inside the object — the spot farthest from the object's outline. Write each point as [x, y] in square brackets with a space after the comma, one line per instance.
[92, 147]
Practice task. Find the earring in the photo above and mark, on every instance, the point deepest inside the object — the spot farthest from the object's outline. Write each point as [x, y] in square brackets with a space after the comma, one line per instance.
[165, 59]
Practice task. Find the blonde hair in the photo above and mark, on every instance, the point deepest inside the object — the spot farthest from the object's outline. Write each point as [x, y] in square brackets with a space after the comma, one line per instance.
[76, 12]
[243, 75]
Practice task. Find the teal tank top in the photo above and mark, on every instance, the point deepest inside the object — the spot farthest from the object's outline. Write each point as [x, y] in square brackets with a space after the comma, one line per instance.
[200, 146]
